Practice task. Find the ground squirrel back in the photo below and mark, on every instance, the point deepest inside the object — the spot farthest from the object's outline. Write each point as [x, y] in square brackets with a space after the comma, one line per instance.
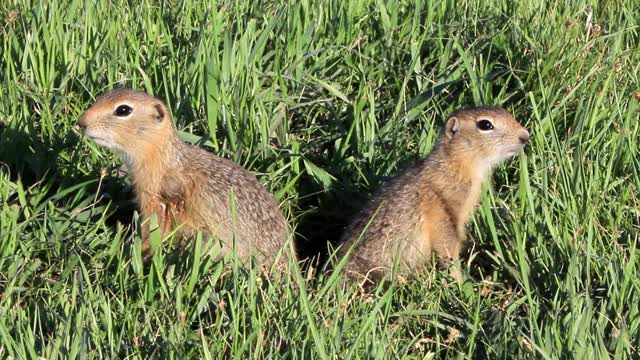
[186, 187]
[424, 210]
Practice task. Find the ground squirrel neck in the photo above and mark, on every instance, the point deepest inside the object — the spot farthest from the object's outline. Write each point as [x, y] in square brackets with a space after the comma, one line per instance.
[457, 180]
[152, 159]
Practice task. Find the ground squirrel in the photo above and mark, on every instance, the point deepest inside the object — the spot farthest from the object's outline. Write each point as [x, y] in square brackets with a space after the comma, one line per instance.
[423, 211]
[186, 187]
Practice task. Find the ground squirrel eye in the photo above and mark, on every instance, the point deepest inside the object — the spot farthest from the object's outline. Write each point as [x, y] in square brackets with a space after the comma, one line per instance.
[123, 110]
[484, 125]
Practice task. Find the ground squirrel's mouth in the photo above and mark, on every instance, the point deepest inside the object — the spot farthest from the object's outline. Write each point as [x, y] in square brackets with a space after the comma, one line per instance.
[514, 149]
[93, 138]
[100, 140]
[511, 150]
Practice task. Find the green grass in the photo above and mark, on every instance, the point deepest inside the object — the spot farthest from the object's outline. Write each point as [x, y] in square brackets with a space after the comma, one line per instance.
[323, 100]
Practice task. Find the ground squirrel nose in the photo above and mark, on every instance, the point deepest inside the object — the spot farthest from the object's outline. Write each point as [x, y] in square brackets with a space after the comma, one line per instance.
[524, 137]
[82, 124]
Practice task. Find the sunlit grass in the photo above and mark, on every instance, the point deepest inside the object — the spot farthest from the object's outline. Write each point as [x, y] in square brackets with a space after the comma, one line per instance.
[323, 100]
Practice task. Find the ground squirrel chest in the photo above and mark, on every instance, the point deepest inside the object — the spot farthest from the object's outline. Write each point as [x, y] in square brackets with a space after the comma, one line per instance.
[423, 211]
[187, 188]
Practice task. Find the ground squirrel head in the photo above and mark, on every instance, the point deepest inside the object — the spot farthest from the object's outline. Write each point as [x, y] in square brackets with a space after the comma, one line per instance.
[487, 135]
[125, 120]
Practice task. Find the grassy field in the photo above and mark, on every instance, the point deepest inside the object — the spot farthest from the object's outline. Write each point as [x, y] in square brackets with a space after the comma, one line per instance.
[323, 100]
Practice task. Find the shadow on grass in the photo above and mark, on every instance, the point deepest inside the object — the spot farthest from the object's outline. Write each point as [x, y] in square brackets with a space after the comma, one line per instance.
[25, 156]
[37, 162]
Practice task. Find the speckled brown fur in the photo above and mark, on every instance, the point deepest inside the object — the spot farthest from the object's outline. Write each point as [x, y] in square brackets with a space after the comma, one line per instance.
[423, 211]
[186, 187]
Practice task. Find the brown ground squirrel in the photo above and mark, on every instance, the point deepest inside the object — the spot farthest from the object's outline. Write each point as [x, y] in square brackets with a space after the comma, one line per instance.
[186, 187]
[423, 211]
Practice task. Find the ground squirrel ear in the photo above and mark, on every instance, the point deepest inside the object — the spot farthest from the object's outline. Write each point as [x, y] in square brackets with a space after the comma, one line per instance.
[452, 127]
[160, 114]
